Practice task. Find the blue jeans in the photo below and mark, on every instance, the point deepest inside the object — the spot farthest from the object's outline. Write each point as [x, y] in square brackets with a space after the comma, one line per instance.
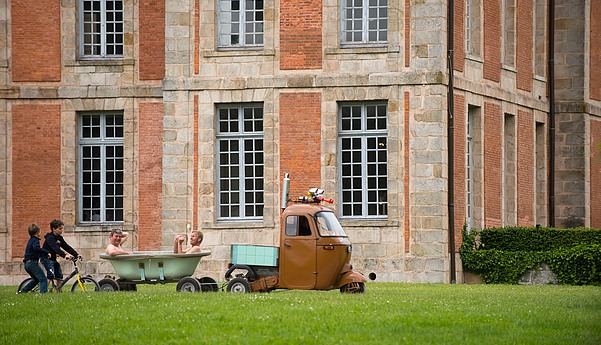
[53, 268]
[36, 272]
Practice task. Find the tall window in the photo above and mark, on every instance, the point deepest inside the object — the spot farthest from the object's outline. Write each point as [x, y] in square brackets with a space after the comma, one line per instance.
[509, 172]
[509, 33]
[240, 161]
[470, 171]
[474, 211]
[540, 37]
[101, 28]
[240, 23]
[364, 21]
[473, 16]
[363, 162]
[100, 168]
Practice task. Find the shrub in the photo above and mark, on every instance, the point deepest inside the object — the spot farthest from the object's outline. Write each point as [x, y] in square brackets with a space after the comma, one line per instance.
[502, 255]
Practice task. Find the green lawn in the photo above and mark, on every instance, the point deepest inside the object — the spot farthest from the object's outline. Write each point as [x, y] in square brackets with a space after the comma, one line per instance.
[386, 314]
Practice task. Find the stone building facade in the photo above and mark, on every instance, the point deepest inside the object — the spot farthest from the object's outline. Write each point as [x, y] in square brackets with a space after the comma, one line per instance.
[159, 117]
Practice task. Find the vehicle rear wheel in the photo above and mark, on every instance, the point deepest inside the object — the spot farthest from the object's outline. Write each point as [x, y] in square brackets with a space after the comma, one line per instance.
[88, 284]
[188, 284]
[25, 282]
[108, 284]
[208, 284]
[239, 285]
[358, 287]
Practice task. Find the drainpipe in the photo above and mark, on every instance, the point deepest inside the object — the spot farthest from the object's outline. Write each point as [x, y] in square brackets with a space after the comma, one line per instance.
[450, 140]
[551, 71]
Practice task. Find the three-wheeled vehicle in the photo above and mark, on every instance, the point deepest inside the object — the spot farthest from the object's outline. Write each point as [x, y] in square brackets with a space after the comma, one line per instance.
[314, 252]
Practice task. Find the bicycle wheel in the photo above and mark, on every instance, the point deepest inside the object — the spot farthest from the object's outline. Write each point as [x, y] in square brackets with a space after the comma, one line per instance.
[88, 285]
[25, 282]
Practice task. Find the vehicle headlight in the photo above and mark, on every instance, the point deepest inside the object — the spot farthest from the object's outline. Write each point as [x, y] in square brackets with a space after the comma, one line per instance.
[349, 249]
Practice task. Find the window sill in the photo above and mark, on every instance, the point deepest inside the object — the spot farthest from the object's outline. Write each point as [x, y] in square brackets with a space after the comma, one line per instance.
[363, 49]
[101, 62]
[102, 227]
[367, 222]
[474, 58]
[237, 52]
[222, 224]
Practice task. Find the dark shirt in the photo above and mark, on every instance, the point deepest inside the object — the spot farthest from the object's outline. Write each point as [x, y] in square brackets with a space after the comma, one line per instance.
[53, 244]
[33, 251]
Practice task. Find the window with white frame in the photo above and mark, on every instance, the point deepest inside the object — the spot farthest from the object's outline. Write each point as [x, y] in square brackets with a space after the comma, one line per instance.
[100, 168]
[363, 162]
[469, 170]
[240, 162]
[364, 21]
[241, 23]
[101, 28]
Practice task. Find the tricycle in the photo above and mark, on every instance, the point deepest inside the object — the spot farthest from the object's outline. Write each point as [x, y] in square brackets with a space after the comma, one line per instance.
[158, 267]
[314, 252]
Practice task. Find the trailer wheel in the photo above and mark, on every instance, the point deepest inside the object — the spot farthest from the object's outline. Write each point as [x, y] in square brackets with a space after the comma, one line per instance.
[123, 286]
[108, 284]
[353, 288]
[188, 284]
[239, 285]
[208, 284]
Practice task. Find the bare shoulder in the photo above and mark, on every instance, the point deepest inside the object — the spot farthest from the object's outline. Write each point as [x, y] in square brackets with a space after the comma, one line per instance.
[194, 249]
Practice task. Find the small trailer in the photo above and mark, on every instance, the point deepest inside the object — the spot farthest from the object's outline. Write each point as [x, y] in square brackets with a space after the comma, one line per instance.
[314, 252]
[158, 267]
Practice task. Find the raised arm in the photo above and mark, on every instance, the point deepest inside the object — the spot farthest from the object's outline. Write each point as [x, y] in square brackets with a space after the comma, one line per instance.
[177, 244]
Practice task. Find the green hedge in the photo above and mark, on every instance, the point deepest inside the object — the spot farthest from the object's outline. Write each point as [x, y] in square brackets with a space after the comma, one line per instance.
[502, 255]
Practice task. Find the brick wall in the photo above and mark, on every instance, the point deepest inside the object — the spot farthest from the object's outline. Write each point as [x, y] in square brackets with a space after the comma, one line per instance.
[300, 141]
[36, 170]
[524, 45]
[492, 164]
[459, 165]
[595, 202]
[150, 173]
[152, 39]
[36, 44]
[300, 34]
[492, 40]
[525, 168]
[595, 62]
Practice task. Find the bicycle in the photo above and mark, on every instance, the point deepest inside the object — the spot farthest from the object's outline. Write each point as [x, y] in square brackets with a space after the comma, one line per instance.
[83, 284]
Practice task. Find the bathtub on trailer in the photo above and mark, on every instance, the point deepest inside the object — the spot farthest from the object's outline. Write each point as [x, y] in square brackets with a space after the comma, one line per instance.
[156, 267]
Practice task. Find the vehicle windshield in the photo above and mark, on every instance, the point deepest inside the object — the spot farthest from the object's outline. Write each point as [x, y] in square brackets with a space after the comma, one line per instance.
[328, 225]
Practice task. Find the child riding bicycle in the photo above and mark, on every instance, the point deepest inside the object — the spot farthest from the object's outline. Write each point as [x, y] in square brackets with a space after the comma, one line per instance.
[33, 252]
[55, 243]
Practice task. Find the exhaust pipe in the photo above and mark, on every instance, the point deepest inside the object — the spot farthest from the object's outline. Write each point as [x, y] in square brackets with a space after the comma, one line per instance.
[285, 190]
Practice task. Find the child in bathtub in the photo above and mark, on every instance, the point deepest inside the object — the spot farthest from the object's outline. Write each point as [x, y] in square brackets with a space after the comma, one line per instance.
[116, 238]
[195, 241]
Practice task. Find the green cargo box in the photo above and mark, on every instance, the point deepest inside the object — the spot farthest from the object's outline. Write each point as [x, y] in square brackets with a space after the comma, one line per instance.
[254, 255]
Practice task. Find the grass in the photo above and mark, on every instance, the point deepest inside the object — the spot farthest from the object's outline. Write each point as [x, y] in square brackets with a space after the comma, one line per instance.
[388, 313]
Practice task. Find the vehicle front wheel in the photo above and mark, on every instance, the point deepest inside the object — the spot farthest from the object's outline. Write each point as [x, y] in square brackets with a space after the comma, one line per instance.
[358, 287]
[188, 284]
[88, 284]
[239, 285]
[108, 284]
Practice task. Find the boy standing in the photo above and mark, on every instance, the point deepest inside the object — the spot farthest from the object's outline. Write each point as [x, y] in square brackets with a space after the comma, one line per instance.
[33, 252]
[53, 242]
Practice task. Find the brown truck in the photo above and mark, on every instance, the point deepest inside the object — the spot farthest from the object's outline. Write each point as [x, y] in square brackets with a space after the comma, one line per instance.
[314, 253]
